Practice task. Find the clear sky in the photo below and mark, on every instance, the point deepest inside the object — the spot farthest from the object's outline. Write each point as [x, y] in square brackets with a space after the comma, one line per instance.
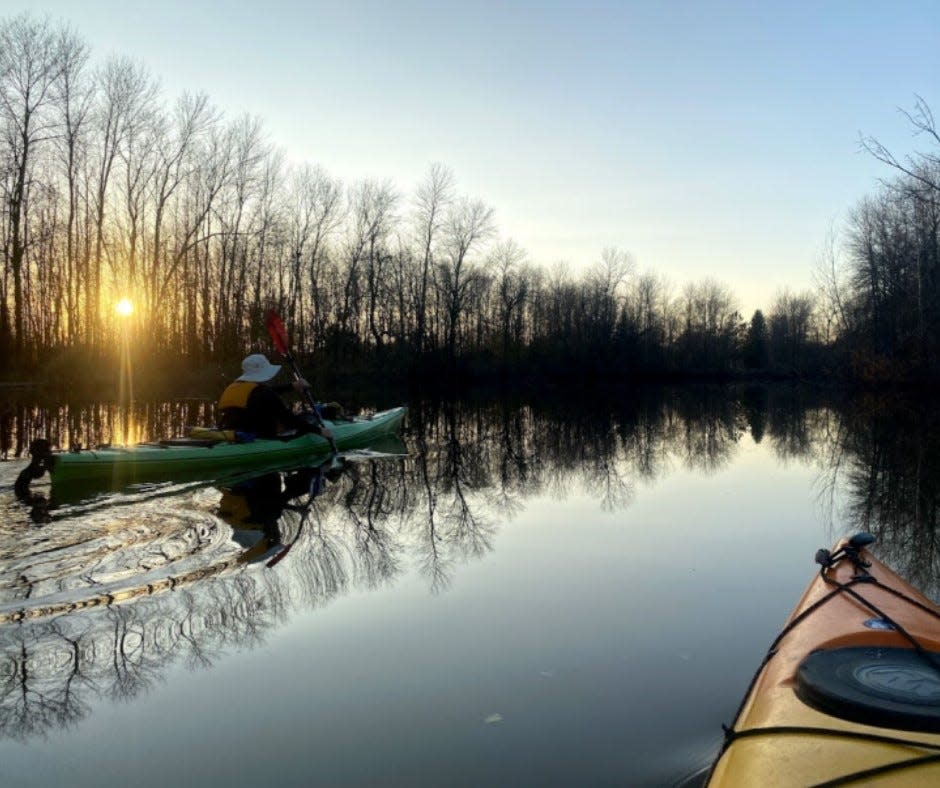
[713, 139]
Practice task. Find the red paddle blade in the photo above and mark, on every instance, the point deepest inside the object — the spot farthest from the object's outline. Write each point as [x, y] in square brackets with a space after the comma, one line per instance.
[277, 331]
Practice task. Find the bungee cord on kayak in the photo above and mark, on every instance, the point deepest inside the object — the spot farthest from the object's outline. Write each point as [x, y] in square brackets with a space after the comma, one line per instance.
[850, 551]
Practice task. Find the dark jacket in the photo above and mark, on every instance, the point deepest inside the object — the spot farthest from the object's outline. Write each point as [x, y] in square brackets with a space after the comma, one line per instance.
[257, 408]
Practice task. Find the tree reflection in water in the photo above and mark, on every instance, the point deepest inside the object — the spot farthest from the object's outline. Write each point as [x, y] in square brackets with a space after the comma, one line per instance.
[882, 474]
[101, 603]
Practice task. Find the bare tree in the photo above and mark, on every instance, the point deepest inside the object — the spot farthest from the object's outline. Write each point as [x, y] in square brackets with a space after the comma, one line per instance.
[315, 212]
[710, 321]
[604, 293]
[512, 284]
[433, 198]
[31, 62]
[468, 224]
[238, 154]
[173, 144]
[75, 93]
[650, 296]
[124, 90]
[791, 324]
[371, 214]
[829, 278]
[924, 168]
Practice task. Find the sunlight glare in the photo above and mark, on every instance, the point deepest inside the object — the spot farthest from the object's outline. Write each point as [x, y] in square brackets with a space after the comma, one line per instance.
[124, 307]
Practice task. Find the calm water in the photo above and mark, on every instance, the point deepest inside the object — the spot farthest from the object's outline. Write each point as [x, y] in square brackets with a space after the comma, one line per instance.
[520, 593]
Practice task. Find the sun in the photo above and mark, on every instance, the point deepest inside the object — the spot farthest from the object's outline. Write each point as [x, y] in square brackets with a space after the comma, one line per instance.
[124, 307]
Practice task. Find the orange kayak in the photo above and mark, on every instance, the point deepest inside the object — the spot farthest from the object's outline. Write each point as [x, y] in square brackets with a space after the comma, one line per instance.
[849, 693]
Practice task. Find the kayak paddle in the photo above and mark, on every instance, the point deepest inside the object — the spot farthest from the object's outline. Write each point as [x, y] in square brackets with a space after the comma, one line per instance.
[279, 337]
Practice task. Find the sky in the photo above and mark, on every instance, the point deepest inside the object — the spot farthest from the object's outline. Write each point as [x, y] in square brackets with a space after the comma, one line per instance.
[707, 139]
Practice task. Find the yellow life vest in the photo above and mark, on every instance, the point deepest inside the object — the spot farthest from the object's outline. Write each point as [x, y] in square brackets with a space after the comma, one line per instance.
[236, 395]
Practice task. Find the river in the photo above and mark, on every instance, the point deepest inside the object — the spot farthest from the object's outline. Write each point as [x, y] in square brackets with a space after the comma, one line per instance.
[543, 591]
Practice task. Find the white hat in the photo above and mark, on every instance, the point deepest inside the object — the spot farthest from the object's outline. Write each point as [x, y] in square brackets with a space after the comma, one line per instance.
[257, 369]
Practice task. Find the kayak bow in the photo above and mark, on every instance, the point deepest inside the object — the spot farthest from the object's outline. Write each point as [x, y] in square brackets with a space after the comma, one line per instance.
[849, 692]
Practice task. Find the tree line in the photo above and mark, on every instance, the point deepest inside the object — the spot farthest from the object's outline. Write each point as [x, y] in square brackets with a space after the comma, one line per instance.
[110, 191]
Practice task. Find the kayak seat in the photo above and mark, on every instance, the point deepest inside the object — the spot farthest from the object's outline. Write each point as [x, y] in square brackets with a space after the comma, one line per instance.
[889, 687]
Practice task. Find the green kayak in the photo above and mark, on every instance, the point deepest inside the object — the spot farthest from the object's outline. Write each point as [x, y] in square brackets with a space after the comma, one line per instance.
[186, 458]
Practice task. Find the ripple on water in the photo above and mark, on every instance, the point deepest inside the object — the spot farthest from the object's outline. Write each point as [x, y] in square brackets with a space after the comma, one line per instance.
[122, 549]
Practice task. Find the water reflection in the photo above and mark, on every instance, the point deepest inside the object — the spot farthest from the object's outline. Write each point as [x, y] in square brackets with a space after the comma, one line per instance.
[95, 423]
[100, 600]
[881, 473]
[259, 508]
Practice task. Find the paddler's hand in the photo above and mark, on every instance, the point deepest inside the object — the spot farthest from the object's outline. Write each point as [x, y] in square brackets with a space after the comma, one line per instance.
[300, 385]
[325, 432]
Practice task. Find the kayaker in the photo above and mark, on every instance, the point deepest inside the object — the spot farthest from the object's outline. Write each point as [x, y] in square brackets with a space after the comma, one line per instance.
[251, 405]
